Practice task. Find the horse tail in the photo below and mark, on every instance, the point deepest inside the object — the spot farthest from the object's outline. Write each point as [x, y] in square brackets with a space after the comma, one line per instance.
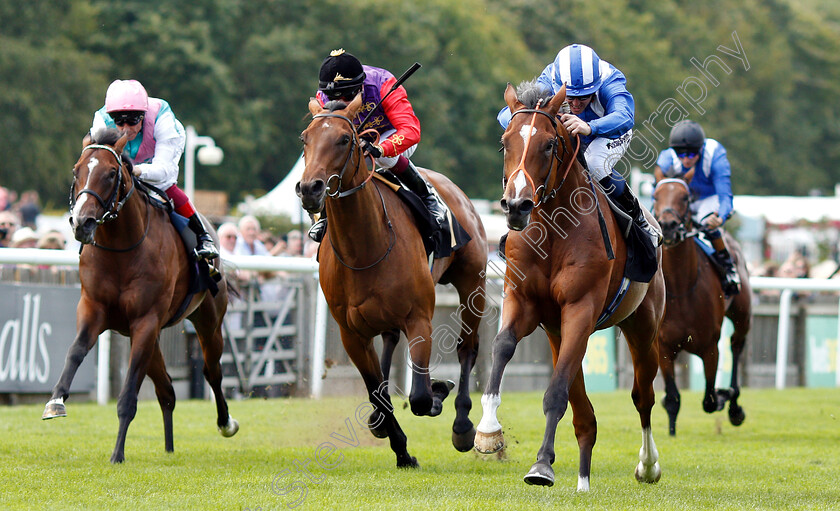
[232, 289]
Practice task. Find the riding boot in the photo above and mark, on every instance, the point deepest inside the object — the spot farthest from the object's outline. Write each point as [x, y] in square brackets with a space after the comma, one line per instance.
[206, 248]
[415, 182]
[731, 279]
[628, 202]
[319, 229]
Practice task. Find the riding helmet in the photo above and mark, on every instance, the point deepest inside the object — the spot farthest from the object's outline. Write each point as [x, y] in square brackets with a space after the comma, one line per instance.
[341, 73]
[579, 68]
[126, 95]
[687, 135]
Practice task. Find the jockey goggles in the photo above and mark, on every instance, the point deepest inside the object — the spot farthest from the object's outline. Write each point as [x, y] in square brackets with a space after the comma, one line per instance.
[579, 98]
[686, 153]
[130, 118]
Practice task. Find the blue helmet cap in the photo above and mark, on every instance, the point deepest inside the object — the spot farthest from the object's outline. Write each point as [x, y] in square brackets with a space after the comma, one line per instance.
[579, 68]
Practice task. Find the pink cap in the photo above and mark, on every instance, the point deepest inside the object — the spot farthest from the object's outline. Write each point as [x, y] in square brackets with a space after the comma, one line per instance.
[125, 95]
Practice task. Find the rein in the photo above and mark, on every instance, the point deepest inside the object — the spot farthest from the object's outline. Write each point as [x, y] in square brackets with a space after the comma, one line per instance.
[684, 230]
[338, 194]
[540, 194]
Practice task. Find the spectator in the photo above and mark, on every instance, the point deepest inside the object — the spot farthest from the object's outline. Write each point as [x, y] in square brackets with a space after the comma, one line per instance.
[310, 248]
[8, 225]
[227, 238]
[5, 199]
[53, 240]
[294, 243]
[247, 243]
[279, 247]
[28, 207]
[24, 237]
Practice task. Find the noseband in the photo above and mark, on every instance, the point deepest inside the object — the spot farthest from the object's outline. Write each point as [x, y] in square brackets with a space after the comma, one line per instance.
[540, 192]
[685, 222]
[107, 206]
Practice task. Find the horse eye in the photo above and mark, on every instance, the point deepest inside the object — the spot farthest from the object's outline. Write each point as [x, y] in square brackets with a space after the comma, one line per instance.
[301, 138]
[345, 139]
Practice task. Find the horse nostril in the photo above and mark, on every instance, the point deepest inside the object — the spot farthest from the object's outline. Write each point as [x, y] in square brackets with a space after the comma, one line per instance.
[504, 204]
[526, 207]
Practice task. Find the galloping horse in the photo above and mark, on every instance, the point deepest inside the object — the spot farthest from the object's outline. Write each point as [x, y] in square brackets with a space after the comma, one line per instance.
[559, 277]
[376, 278]
[135, 278]
[696, 304]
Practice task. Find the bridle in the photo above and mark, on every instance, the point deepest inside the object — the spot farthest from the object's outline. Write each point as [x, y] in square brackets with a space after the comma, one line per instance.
[540, 194]
[112, 207]
[684, 227]
[338, 194]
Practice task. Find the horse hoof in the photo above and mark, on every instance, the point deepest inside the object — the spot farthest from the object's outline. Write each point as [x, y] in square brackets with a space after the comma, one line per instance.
[54, 408]
[488, 443]
[229, 429]
[540, 475]
[409, 462]
[648, 474]
[736, 415]
[117, 458]
[465, 441]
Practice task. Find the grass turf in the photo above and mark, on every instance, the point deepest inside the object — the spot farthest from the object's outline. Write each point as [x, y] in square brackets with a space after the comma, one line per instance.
[785, 456]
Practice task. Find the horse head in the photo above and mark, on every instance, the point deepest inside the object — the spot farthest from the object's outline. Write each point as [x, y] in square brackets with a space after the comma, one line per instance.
[330, 146]
[672, 208]
[101, 174]
[534, 145]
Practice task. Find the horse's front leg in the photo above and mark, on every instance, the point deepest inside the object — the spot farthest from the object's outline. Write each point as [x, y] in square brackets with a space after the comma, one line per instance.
[671, 401]
[165, 394]
[144, 336]
[577, 324]
[424, 399]
[91, 324]
[518, 320]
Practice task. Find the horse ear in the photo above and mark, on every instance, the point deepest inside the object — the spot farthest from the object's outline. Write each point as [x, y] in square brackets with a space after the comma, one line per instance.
[315, 106]
[689, 175]
[557, 101]
[510, 98]
[354, 106]
[87, 140]
[120, 145]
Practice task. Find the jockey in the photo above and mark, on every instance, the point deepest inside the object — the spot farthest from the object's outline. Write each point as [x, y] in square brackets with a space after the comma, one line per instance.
[602, 113]
[342, 77]
[156, 141]
[710, 187]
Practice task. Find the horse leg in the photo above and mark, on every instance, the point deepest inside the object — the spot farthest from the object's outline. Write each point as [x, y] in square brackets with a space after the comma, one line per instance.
[710, 363]
[165, 394]
[361, 352]
[671, 401]
[422, 397]
[736, 413]
[390, 339]
[644, 354]
[143, 345]
[568, 363]
[91, 324]
[472, 308]
[586, 428]
[207, 320]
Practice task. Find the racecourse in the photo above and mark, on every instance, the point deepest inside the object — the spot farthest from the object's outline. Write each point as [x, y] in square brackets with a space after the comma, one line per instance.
[785, 456]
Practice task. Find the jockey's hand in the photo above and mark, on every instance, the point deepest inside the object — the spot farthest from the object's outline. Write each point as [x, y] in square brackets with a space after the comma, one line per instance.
[137, 172]
[712, 221]
[575, 125]
[371, 149]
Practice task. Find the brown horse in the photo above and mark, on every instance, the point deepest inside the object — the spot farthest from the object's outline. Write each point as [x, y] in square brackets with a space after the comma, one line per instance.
[134, 273]
[559, 277]
[695, 303]
[376, 277]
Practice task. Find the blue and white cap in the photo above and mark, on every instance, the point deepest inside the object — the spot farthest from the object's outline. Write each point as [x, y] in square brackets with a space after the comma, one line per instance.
[578, 67]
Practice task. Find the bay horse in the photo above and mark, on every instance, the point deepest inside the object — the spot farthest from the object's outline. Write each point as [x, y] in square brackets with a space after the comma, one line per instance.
[135, 275]
[560, 278]
[695, 303]
[376, 277]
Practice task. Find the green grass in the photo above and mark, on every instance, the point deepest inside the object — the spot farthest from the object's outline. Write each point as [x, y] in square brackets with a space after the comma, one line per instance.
[785, 456]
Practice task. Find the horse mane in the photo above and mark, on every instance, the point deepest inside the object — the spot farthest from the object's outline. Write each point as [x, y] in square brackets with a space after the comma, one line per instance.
[109, 137]
[531, 91]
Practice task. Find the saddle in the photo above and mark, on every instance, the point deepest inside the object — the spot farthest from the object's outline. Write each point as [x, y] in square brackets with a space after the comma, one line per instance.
[440, 242]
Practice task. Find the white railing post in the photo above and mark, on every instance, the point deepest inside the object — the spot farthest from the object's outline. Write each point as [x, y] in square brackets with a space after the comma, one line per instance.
[782, 338]
[319, 343]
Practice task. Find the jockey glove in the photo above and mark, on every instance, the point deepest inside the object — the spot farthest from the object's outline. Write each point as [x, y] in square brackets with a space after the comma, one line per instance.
[371, 149]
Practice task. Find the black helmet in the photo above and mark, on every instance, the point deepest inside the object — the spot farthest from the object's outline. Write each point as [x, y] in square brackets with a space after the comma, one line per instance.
[687, 136]
[341, 75]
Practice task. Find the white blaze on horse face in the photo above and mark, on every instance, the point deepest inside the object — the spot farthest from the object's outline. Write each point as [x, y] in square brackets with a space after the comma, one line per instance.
[519, 183]
[523, 132]
[92, 163]
[489, 424]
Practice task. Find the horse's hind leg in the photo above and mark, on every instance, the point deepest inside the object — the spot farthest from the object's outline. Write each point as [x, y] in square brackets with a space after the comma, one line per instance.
[165, 394]
[710, 363]
[208, 326]
[376, 422]
[363, 355]
[472, 309]
[586, 428]
[736, 413]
